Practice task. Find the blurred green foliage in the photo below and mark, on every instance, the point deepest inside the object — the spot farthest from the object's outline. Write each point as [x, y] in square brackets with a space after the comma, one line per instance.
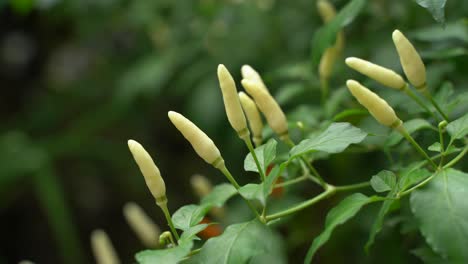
[81, 77]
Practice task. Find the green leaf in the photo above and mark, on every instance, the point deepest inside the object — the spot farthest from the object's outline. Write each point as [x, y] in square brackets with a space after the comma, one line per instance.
[190, 234]
[262, 191]
[435, 7]
[336, 138]
[350, 113]
[326, 35]
[436, 148]
[219, 195]
[441, 209]
[241, 243]
[383, 181]
[445, 53]
[379, 220]
[458, 128]
[411, 126]
[253, 191]
[412, 176]
[266, 153]
[166, 256]
[428, 256]
[271, 178]
[344, 211]
[22, 7]
[188, 216]
[455, 30]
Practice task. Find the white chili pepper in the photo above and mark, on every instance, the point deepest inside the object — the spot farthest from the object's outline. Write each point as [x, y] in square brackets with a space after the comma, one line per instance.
[410, 60]
[253, 115]
[148, 168]
[269, 107]
[103, 251]
[381, 74]
[251, 74]
[200, 142]
[145, 229]
[327, 12]
[377, 106]
[201, 185]
[231, 102]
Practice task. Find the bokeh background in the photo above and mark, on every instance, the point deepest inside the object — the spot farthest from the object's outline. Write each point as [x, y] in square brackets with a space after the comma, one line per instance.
[79, 78]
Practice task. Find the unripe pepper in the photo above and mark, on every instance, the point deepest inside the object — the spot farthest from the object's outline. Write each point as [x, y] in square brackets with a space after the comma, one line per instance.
[201, 143]
[269, 107]
[201, 185]
[145, 229]
[381, 74]
[231, 102]
[150, 171]
[377, 106]
[253, 115]
[410, 60]
[251, 74]
[103, 251]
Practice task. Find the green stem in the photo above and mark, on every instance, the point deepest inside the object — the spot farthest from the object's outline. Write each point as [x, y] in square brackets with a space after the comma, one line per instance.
[231, 179]
[248, 142]
[53, 201]
[441, 128]
[352, 186]
[457, 158]
[165, 210]
[316, 176]
[408, 137]
[424, 182]
[293, 181]
[413, 96]
[327, 193]
[428, 95]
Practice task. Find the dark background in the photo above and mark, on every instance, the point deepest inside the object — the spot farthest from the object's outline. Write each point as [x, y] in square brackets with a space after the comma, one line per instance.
[79, 78]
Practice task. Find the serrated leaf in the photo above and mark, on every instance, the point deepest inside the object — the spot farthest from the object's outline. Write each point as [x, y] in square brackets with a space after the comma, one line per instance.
[240, 243]
[336, 138]
[383, 181]
[166, 256]
[326, 35]
[344, 211]
[441, 209]
[458, 128]
[219, 195]
[266, 153]
[435, 7]
[411, 126]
